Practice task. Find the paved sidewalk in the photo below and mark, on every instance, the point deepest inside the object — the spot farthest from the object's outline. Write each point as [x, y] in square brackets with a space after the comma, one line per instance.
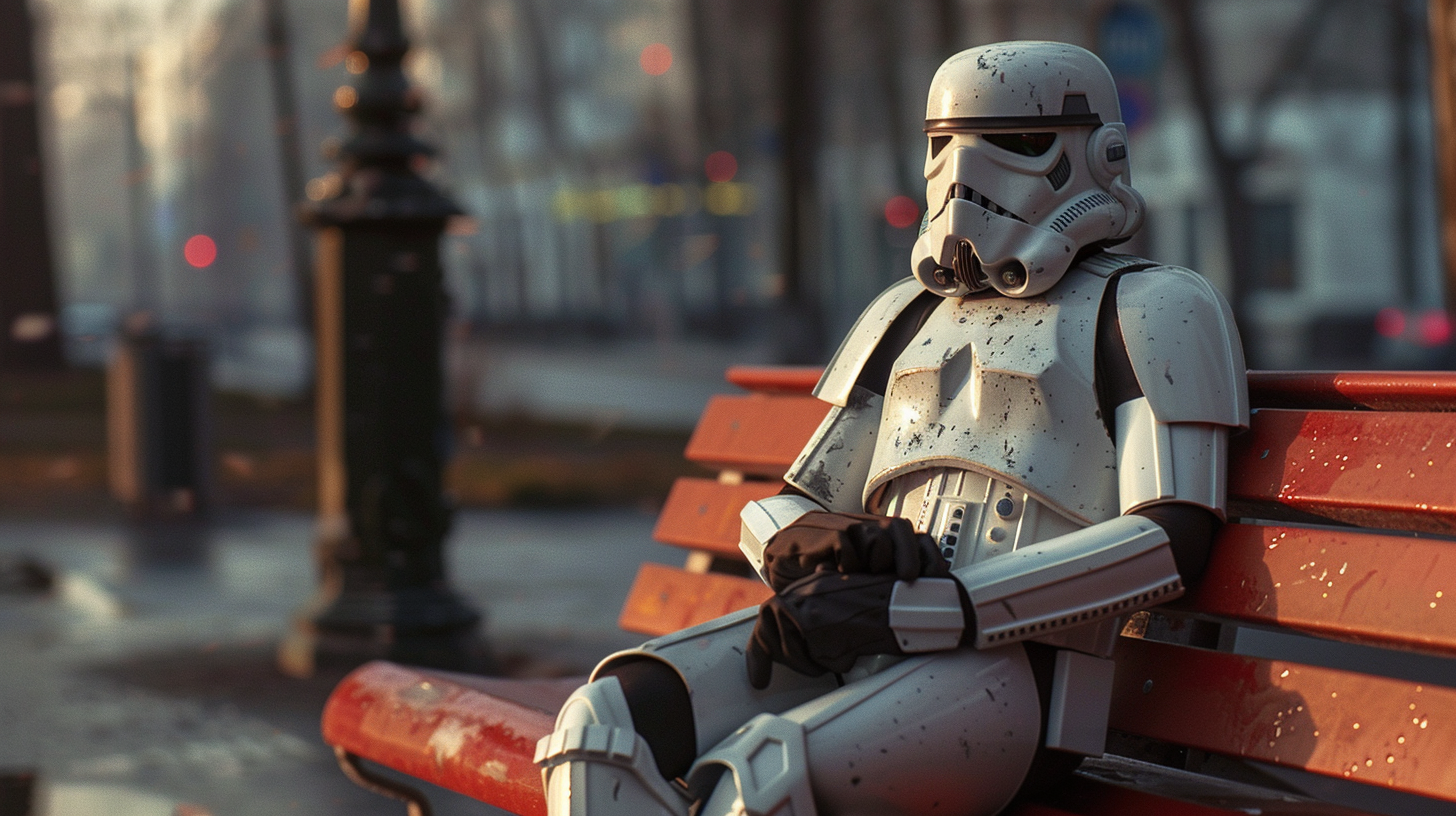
[642, 385]
[143, 685]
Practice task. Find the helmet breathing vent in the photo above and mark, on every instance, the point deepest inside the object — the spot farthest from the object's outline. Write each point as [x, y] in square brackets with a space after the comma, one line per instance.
[1059, 174]
[1080, 208]
[967, 268]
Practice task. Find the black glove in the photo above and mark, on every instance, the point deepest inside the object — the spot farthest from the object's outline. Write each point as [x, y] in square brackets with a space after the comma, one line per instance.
[850, 543]
[823, 622]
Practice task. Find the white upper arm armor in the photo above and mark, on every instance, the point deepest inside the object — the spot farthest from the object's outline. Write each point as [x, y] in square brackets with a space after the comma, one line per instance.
[1169, 462]
[1183, 347]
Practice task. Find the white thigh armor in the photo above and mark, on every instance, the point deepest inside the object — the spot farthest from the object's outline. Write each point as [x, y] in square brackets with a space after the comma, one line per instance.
[953, 732]
[709, 659]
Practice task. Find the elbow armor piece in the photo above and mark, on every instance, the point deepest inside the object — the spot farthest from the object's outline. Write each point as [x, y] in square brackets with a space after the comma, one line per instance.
[763, 518]
[1098, 572]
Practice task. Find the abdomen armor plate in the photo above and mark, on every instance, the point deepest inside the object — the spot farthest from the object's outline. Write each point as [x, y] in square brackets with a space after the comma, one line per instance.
[971, 516]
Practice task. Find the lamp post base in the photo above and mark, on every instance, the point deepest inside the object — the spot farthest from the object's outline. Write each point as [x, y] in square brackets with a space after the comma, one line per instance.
[417, 626]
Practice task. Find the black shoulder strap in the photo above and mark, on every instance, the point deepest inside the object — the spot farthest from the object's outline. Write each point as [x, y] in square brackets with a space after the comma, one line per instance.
[1113, 377]
[875, 375]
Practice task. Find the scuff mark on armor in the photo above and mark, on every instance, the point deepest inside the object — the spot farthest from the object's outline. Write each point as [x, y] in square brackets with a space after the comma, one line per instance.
[819, 483]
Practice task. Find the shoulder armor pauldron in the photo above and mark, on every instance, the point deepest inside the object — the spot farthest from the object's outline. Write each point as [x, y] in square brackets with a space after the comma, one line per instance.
[1183, 346]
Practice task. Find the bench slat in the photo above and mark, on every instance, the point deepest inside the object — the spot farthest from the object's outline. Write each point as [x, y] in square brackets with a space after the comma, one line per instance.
[760, 434]
[1336, 390]
[702, 514]
[1380, 390]
[775, 379]
[1368, 729]
[1382, 470]
[1337, 583]
[1113, 786]
[665, 599]
[437, 728]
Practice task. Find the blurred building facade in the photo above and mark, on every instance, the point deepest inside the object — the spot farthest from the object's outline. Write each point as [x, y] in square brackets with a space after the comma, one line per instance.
[635, 169]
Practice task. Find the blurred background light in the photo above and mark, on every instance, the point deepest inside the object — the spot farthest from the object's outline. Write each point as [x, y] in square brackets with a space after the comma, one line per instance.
[720, 166]
[1433, 328]
[1390, 322]
[200, 251]
[656, 59]
[902, 211]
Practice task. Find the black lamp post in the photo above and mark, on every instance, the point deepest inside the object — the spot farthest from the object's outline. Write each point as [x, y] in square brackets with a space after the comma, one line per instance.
[382, 431]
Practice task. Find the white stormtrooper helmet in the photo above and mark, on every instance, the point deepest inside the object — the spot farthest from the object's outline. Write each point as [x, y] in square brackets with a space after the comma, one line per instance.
[1027, 165]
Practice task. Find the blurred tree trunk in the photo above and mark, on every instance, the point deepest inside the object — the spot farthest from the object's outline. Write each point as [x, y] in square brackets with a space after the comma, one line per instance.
[561, 161]
[143, 284]
[489, 102]
[712, 114]
[801, 331]
[1232, 160]
[1403, 50]
[29, 323]
[290, 154]
[889, 57]
[948, 23]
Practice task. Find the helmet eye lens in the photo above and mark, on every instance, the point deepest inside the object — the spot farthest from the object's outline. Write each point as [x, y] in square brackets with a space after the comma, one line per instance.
[1025, 144]
[937, 144]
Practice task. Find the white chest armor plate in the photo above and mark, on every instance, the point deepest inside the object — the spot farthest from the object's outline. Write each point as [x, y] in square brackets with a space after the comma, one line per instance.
[1002, 388]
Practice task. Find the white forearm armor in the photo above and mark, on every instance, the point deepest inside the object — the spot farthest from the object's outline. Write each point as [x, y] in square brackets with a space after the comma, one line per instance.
[1096, 573]
[1041, 589]
[1102, 571]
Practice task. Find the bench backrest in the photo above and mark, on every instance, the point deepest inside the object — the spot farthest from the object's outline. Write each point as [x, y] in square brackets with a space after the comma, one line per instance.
[1342, 502]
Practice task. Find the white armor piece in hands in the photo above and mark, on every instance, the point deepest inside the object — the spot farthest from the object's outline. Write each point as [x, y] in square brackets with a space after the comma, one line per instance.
[973, 401]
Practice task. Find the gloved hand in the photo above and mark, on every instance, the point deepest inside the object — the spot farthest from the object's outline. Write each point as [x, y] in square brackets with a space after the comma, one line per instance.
[822, 622]
[850, 543]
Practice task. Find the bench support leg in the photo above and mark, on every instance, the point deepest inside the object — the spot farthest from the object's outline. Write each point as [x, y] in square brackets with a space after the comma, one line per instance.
[415, 802]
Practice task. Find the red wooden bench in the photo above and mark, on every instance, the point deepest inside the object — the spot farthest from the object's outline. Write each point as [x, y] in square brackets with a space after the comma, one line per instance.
[1343, 498]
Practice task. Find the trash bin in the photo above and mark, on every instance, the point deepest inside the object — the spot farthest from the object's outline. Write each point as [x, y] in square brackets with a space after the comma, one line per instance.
[158, 425]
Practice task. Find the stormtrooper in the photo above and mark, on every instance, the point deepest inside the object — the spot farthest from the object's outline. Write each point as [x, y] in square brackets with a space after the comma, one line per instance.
[1026, 443]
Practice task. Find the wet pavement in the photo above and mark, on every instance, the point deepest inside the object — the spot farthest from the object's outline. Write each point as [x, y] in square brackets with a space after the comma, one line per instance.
[143, 683]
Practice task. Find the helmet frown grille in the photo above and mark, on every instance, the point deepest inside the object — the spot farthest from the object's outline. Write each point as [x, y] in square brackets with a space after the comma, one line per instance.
[1059, 174]
[1080, 208]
